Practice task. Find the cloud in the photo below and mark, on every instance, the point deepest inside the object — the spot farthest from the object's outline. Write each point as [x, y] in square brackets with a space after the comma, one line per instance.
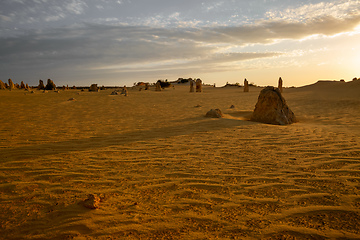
[113, 47]
[336, 9]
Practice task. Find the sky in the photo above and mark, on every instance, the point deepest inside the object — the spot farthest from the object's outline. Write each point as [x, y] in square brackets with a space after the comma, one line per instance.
[120, 42]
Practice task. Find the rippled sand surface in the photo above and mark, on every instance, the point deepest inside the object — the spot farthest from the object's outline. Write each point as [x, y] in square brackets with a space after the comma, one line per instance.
[164, 171]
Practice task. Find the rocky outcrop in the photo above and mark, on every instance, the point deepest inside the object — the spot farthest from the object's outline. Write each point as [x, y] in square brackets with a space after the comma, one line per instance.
[50, 85]
[280, 85]
[246, 85]
[271, 108]
[41, 85]
[93, 88]
[198, 85]
[214, 113]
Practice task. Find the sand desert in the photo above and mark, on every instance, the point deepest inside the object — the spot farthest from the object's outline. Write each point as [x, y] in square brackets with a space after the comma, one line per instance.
[164, 171]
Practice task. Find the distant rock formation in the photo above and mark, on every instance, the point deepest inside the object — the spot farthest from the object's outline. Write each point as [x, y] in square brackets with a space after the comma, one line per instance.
[280, 85]
[2, 85]
[22, 85]
[11, 84]
[271, 108]
[214, 113]
[27, 86]
[93, 88]
[124, 91]
[198, 85]
[158, 86]
[246, 85]
[41, 85]
[50, 85]
[147, 86]
[192, 85]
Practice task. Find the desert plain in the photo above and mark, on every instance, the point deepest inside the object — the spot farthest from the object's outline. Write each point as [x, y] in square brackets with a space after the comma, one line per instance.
[164, 171]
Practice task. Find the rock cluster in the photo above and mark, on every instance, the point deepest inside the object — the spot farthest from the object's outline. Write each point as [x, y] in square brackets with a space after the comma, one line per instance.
[271, 108]
[214, 113]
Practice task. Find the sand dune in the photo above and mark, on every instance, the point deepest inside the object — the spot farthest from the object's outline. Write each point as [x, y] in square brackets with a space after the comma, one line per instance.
[164, 171]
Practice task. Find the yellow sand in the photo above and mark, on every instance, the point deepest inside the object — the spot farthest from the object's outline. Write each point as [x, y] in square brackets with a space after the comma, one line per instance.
[164, 171]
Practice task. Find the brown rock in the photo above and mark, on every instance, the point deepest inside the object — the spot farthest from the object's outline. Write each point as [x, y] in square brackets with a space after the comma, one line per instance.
[41, 85]
[124, 91]
[50, 85]
[272, 108]
[246, 85]
[214, 113]
[92, 202]
[158, 86]
[192, 85]
[280, 85]
[93, 88]
[22, 85]
[198, 85]
[11, 84]
[2, 85]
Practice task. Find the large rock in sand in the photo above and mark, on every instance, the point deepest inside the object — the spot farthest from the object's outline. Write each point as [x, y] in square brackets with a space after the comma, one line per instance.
[272, 108]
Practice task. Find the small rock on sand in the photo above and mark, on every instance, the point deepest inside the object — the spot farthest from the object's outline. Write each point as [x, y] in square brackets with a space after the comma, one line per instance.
[214, 113]
[92, 202]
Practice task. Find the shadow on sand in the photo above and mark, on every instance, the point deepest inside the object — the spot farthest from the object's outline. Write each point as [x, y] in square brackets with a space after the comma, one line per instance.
[193, 125]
